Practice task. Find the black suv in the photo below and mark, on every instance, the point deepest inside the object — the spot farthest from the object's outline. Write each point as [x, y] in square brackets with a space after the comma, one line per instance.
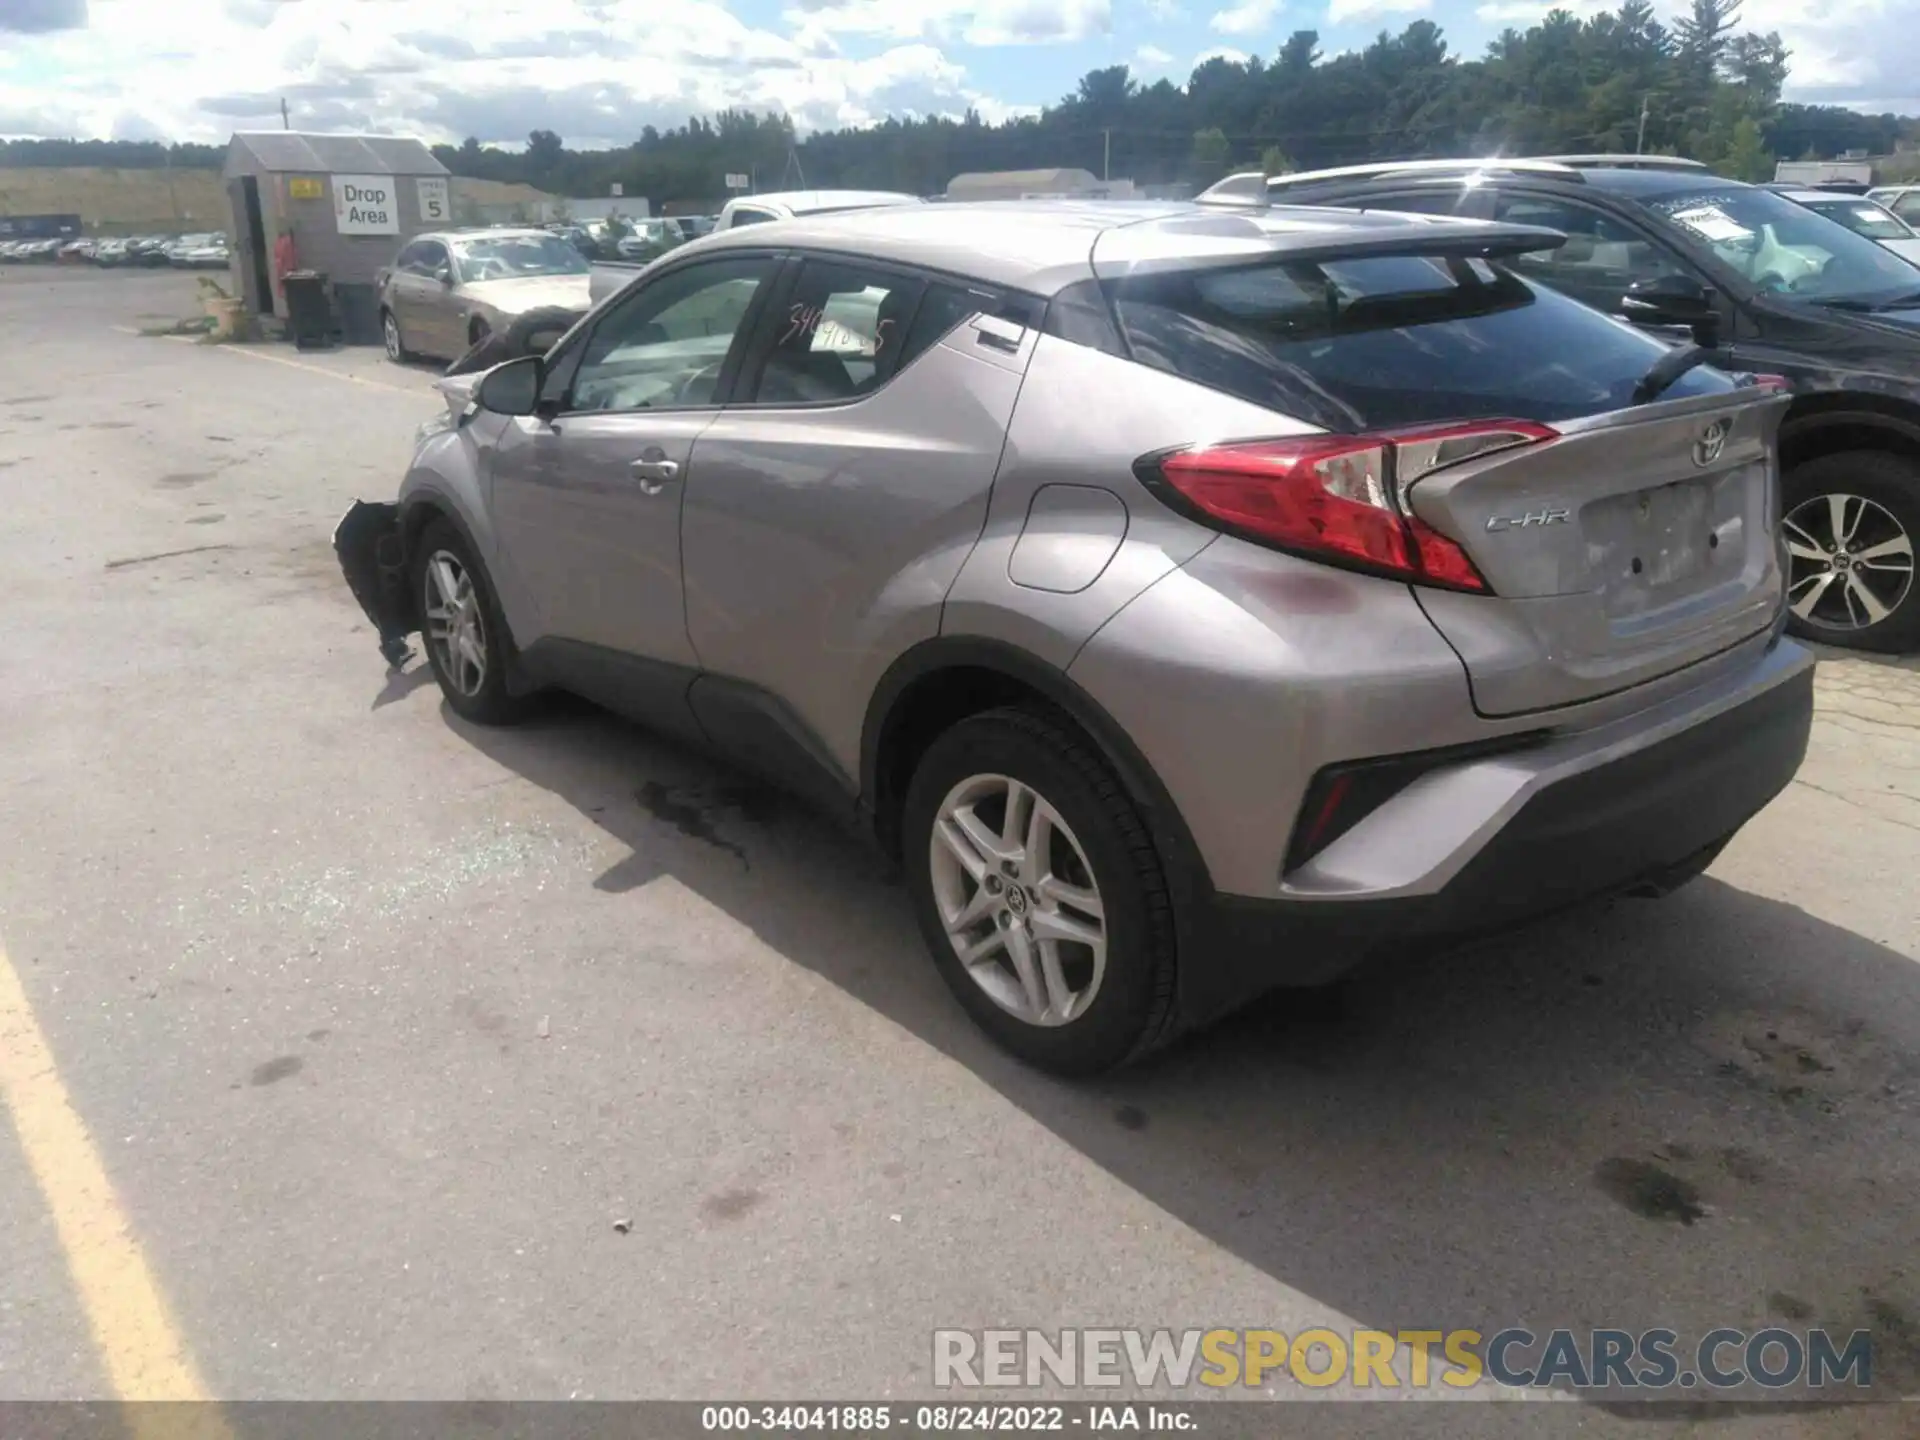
[1678, 250]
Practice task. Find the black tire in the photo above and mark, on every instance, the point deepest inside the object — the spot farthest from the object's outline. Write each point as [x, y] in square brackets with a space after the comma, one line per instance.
[490, 351]
[1890, 484]
[490, 702]
[390, 333]
[1133, 1011]
[537, 331]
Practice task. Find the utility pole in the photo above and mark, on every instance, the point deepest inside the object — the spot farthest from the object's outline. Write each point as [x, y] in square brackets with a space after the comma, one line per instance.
[1640, 141]
[1106, 155]
[286, 118]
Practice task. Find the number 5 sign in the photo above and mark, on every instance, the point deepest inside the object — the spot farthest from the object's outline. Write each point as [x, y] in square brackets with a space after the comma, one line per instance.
[434, 207]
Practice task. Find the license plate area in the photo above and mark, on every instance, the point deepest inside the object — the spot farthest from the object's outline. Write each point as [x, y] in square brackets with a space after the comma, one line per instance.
[1652, 549]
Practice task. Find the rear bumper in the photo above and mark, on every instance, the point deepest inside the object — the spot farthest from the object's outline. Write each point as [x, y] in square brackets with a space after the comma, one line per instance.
[1593, 815]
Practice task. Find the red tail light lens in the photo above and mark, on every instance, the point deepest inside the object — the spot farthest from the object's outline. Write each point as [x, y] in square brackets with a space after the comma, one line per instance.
[1338, 497]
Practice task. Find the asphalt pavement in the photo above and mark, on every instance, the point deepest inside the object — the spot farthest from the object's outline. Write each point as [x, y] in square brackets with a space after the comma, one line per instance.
[359, 1053]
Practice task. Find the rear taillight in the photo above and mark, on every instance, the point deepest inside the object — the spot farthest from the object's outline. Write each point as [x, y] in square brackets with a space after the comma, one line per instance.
[1336, 498]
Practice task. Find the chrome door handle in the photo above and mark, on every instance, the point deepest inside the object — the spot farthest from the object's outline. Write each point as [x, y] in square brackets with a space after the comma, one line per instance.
[654, 475]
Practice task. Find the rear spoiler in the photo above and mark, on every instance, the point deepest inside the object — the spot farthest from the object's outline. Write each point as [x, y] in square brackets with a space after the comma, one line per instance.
[1226, 238]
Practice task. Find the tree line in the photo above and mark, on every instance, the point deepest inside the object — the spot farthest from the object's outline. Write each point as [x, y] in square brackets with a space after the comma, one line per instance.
[1620, 81]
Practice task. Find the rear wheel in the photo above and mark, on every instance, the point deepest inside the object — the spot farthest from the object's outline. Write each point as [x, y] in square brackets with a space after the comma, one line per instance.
[1851, 524]
[1038, 891]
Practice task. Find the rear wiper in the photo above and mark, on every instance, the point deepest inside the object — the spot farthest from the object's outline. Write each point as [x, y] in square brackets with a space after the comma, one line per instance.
[1667, 369]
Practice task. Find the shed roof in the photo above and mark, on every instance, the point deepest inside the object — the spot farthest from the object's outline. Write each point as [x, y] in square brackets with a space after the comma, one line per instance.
[281, 151]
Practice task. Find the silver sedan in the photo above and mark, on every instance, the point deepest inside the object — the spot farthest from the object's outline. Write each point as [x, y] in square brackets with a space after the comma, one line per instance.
[446, 292]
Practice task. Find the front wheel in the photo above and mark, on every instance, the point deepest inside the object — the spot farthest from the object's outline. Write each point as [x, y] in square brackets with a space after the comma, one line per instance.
[1851, 521]
[390, 334]
[461, 624]
[1038, 890]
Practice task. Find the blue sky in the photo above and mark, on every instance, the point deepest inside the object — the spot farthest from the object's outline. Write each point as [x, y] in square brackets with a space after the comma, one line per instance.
[598, 70]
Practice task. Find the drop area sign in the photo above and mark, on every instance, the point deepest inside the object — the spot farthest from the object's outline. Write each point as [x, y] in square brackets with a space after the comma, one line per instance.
[365, 205]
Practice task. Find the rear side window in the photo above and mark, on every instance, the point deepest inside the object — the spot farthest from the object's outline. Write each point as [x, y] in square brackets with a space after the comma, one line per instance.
[1373, 343]
[839, 335]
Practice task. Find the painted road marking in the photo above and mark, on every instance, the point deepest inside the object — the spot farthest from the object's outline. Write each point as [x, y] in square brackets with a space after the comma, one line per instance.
[144, 1356]
[253, 354]
[318, 370]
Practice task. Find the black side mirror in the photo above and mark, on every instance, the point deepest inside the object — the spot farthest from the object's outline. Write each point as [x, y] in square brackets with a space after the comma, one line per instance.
[1674, 300]
[512, 388]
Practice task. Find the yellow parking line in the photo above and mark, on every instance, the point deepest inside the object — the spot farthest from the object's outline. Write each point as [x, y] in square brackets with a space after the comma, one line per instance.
[144, 1356]
[319, 370]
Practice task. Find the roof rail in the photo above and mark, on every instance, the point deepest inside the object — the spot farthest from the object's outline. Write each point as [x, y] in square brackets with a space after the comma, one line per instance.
[1382, 168]
[1625, 162]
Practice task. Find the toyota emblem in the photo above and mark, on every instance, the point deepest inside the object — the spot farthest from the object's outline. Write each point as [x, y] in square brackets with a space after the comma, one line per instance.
[1712, 441]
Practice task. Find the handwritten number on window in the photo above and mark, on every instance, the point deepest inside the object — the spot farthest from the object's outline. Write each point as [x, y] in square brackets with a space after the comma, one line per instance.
[812, 321]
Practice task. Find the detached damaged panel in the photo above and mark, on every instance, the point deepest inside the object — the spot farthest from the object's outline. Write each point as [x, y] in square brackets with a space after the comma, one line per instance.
[373, 558]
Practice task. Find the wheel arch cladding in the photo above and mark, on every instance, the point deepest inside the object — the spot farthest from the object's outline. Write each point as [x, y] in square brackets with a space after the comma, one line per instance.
[942, 681]
[424, 507]
[1817, 425]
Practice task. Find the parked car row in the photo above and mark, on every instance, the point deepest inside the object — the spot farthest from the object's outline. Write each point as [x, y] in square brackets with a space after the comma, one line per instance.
[186, 252]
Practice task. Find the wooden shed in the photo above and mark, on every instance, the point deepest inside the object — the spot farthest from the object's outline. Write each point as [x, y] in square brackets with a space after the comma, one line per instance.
[351, 200]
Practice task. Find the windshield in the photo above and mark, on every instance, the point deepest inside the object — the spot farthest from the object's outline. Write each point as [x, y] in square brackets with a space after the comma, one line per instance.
[1863, 217]
[1364, 343]
[511, 257]
[1785, 247]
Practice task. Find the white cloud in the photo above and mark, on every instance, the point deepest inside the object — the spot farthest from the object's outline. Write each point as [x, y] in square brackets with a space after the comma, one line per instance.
[1219, 52]
[975, 22]
[596, 71]
[1164, 10]
[1247, 18]
[1151, 57]
[1339, 12]
[1522, 13]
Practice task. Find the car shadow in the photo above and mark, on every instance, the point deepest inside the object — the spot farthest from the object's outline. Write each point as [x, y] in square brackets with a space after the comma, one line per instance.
[1697, 1112]
[403, 682]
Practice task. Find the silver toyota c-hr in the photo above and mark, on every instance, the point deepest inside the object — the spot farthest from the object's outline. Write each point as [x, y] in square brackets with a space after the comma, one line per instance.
[1194, 601]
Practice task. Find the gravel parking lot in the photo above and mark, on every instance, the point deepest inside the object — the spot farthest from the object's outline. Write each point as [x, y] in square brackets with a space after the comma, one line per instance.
[430, 1062]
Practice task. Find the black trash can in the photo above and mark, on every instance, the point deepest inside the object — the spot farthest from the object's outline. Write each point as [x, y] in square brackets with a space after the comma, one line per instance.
[359, 309]
[309, 315]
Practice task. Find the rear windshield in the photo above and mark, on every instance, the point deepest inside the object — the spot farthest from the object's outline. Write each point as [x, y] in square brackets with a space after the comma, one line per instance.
[1366, 344]
[1862, 217]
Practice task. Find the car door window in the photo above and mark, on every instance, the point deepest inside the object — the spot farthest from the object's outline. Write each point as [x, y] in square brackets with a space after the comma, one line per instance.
[839, 334]
[665, 346]
[430, 256]
[1907, 206]
[1600, 259]
[408, 257]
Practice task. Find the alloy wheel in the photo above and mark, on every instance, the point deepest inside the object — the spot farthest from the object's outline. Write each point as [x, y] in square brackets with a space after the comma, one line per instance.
[1018, 901]
[1850, 562]
[390, 328]
[455, 628]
